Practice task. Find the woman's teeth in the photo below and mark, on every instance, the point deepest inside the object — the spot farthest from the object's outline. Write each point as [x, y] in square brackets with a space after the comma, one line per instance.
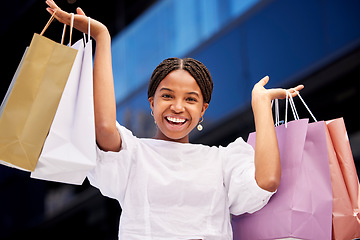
[176, 120]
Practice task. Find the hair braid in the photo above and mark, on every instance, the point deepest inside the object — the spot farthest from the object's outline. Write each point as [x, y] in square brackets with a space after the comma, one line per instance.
[196, 69]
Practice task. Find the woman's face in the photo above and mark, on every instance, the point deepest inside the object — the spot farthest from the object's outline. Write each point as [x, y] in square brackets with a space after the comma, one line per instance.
[177, 106]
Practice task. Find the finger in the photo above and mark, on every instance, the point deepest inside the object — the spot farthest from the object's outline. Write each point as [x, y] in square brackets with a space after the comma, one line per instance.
[264, 81]
[52, 4]
[294, 91]
[60, 15]
[277, 93]
[50, 10]
[297, 88]
[80, 11]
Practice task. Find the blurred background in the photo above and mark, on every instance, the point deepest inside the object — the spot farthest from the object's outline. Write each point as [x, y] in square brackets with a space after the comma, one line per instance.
[310, 42]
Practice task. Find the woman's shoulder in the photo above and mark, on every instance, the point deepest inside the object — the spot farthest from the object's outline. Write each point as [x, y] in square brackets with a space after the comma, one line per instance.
[238, 145]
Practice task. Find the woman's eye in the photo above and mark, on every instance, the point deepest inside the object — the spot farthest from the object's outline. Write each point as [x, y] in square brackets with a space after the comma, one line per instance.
[166, 96]
[190, 99]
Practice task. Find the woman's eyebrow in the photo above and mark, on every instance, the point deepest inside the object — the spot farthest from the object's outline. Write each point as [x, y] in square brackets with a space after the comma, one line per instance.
[193, 93]
[170, 90]
[166, 89]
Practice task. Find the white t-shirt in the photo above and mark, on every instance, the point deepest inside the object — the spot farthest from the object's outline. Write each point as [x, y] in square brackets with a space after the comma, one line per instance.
[170, 190]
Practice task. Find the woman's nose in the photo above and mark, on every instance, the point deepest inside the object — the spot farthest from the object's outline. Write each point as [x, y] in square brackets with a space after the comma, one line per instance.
[177, 106]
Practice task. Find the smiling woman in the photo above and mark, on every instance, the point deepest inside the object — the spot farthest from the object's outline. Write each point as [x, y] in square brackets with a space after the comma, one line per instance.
[167, 187]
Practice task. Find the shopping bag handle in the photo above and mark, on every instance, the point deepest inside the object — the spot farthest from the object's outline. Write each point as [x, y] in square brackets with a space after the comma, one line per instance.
[290, 100]
[48, 23]
[277, 118]
[88, 33]
[63, 34]
[306, 106]
[293, 108]
[71, 29]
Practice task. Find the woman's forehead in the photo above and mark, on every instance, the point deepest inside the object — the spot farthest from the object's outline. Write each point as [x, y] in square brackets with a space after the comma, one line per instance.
[179, 80]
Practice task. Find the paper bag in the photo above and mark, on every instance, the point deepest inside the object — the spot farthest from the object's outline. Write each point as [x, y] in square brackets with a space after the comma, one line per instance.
[69, 151]
[300, 208]
[345, 183]
[32, 103]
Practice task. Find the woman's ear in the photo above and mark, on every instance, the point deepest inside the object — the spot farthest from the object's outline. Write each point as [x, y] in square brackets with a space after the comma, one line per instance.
[204, 107]
[151, 101]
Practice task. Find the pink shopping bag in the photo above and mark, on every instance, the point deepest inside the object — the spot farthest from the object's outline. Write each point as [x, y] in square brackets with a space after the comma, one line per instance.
[345, 183]
[302, 206]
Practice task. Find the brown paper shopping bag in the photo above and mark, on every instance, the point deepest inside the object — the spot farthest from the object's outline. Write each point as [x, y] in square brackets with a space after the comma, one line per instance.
[30, 107]
[69, 151]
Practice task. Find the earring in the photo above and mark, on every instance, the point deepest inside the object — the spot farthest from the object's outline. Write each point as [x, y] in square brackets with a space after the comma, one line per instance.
[199, 126]
[152, 114]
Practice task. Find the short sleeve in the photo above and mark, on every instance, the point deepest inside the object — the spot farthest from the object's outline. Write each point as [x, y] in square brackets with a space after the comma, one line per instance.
[245, 196]
[112, 169]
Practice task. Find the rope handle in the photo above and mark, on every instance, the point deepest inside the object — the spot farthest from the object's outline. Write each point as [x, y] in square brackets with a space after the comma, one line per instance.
[64, 29]
[306, 106]
[48, 23]
[71, 28]
[289, 100]
[88, 33]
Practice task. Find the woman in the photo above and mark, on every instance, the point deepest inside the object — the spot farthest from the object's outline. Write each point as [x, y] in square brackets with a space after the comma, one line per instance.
[167, 187]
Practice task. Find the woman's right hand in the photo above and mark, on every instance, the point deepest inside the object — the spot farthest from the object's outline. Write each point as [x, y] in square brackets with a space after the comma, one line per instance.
[80, 20]
[107, 135]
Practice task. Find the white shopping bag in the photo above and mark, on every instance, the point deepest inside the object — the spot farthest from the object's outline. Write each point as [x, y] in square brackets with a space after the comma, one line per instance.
[69, 152]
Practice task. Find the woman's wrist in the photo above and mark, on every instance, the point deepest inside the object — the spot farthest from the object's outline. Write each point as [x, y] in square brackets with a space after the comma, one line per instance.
[101, 34]
[260, 101]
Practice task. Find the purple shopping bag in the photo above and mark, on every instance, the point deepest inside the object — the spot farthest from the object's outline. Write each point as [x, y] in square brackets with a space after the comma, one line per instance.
[302, 206]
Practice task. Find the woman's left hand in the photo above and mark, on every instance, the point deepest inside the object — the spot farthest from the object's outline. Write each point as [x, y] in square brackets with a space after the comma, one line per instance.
[259, 91]
[267, 156]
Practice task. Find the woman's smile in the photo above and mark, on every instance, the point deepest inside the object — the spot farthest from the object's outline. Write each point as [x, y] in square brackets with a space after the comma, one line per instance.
[176, 123]
[176, 120]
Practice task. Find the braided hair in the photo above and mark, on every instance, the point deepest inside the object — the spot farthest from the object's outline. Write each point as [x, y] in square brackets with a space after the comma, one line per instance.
[196, 69]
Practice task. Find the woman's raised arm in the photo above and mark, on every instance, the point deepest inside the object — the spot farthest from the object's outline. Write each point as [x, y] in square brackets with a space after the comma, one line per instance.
[107, 136]
[267, 157]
